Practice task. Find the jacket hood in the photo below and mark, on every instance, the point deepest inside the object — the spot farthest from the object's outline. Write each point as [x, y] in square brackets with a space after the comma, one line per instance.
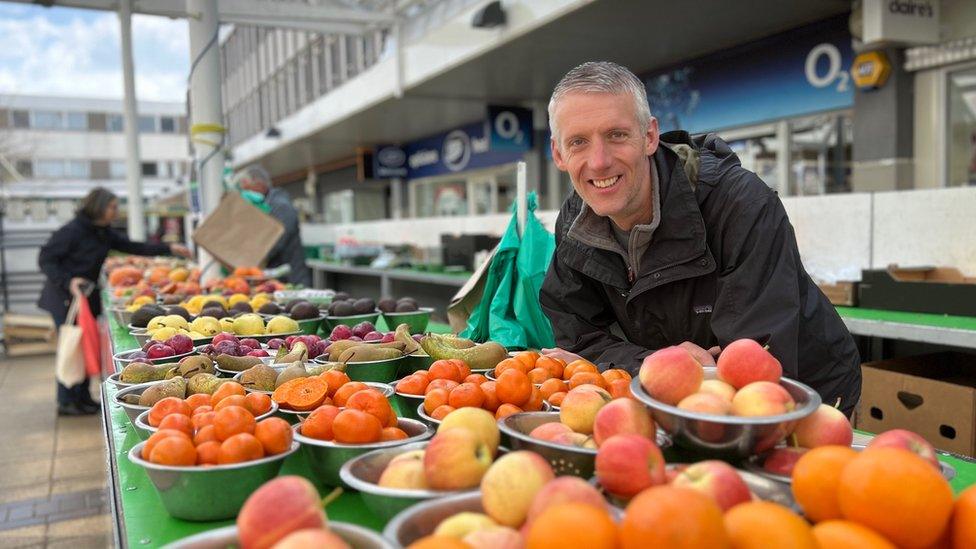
[706, 157]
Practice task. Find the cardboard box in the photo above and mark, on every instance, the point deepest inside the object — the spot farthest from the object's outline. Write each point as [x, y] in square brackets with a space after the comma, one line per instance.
[238, 234]
[937, 290]
[840, 293]
[933, 395]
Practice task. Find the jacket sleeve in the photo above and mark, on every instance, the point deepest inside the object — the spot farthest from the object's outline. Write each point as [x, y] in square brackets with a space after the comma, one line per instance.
[284, 212]
[758, 295]
[581, 321]
[121, 242]
[52, 255]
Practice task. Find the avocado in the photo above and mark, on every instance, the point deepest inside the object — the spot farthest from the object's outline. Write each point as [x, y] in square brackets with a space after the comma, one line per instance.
[216, 312]
[213, 303]
[303, 311]
[387, 305]
[270, 309]
[364, 306]
[341, 308]
[144, 314]
[242, 307]
[177, 310]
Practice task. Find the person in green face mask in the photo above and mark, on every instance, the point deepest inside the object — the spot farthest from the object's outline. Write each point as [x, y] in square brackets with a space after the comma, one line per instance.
[255, 186]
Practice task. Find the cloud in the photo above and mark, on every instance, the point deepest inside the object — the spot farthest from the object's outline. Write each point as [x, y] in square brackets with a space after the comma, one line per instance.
[68, 52]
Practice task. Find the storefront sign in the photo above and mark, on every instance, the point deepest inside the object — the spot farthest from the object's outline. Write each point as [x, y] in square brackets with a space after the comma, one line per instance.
[802, 71]
[870, 70]
[901, 21]
[501, 139]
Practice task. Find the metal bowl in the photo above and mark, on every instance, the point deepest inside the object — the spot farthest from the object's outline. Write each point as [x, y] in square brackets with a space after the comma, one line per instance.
[362, 473]
[728, 437]
[331, 322]
[381, 371]
[142, 420]
[221, 538]
[123, 358]
[413, 363]
[565, 460]
[325, 458]
[409, 404]
[423, 518]
[122, 316]
[415, 320]
[294, 416]
[215, 492]
[425, 417]
[133, 410]
[754, 464]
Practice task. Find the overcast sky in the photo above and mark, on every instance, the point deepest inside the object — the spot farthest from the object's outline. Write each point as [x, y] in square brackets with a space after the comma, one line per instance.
[73, 52]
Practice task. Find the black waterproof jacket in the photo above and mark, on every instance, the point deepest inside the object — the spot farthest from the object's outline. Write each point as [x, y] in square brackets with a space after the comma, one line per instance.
[722, 264]
[78, 249]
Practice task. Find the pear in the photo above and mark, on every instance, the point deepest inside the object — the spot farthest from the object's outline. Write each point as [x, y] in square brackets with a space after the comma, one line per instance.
[339, 347]
[369, 353]
[142, 372]
[203, 384]
[261, 377]
[195, 365]
[295, 371]
[298, 353]
[281, 325]
[319, 369]
[236, 363]
[175, 387]
[402, 334]
[249, 324]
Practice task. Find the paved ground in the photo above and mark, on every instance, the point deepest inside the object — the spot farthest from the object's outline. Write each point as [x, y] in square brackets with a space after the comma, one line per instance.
[52, 469]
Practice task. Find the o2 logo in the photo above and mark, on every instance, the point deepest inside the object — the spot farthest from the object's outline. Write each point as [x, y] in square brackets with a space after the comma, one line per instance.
[507, 127]
[835, 73]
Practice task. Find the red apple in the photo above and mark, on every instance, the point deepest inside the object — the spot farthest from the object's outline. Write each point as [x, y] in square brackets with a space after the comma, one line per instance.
[718, 388]
[744, 361]
[455, 459]
[550, 431]
[511, 484]
[670, 375]
[706, 403]
[780, 461]
[716, 479]
[279, 507]
[312, 537]
[224, 336]
[825, 426]
[903, 438]
[762, 398]
[565, 489]
[580, 406]
[627, 464]
[159, 350]
[622, 416]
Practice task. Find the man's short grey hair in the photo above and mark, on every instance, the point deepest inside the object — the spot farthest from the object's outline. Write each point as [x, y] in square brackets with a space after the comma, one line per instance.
[601, 77]
[254, 173]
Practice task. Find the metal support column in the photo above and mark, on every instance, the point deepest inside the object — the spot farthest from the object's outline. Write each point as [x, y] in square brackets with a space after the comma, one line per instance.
[206, 118]
[784, 158]
[136, 221]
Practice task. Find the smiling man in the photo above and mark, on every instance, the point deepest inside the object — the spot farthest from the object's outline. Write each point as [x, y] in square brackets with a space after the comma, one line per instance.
[667, 240]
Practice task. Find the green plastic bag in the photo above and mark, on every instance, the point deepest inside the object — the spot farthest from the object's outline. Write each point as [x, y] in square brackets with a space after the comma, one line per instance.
[509, 311]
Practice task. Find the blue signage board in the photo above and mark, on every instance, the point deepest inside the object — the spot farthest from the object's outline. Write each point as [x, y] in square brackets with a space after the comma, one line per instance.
[802, 71]
[502, 138]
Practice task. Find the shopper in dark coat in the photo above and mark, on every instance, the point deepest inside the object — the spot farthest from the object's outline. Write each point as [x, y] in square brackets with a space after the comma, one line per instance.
[669, 241]
[288, 249]
[72, 259]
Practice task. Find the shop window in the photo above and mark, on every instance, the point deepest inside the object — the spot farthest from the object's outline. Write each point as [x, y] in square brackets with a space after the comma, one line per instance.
[338, 207]
[441, 198]
[961, 151]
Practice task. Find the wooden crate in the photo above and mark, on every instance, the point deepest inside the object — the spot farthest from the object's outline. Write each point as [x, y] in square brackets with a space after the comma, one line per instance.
[29, 334]
[841, 293]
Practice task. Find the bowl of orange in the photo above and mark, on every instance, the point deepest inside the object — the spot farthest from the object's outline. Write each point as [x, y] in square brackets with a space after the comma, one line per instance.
[142, 420]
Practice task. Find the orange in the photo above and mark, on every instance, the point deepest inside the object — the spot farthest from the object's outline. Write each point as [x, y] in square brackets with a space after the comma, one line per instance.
[506, 410]
[615, 373]
[509, 364]
[202, 409]
[466, 394]
[620, 388]
[555, 366]
[372, 402]
[346, 391]
[673, 517]
[491, 402]
[207, 434]
[232, 400]
[239, 448]
[158, 436]
[198, 400]
[552, 386]
[226, 389]
[963, 526]
[815, 478]
[844, 534]
[463, 370]
[318, 424]
[446, 384]
[897, 494]
[477, 379]
[445, 369]
[335, 379]
[538, 375]
[572, 524]
[200, 421]
[423, 374]
[556, 399]
[441, 411]
[165, 407]
[513, 387]
[208, 453]
[174, 450]
[762, 524]
[576, 366]
[411, 385]
[356, 427]
[435, 398]
[393, 433]
[438, 542]
[534, 404]
[274, 434]
[179, 422]
[587, 378]
[257, 403]
[527, 359]
[231, 421]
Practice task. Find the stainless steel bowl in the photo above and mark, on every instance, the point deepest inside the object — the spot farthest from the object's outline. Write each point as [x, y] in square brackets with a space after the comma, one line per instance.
[423, 518]
[565, 460]
[409, 404]
[362, 473]
[293, 416]
[215, 492]
[132, 410]
[325, 457]
[142, 420]
[728, 437]
[754, 464]
[140, 337]
[221, 538]
[425, 417]
[123, 358]
[122, 316]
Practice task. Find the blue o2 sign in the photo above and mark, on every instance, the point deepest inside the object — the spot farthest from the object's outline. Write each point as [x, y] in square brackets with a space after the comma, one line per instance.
[501, 139]
[801, 71]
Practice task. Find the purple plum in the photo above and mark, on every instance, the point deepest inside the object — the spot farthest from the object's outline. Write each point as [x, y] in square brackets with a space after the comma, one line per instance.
[290, 340]
[247, 348]
[373, 336]
[180, 343]
[207, 349]
[227, 348]
[276, 342]
[258, 352]
[251, 342]
[224, 336]
[355, 338]
[341, 332]
[159, 350]
[363, 328]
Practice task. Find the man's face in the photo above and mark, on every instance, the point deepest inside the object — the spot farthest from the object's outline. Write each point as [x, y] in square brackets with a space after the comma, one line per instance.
[602, 148]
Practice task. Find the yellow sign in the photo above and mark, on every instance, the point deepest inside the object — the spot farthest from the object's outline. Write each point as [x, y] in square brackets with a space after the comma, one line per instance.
[870, 70]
